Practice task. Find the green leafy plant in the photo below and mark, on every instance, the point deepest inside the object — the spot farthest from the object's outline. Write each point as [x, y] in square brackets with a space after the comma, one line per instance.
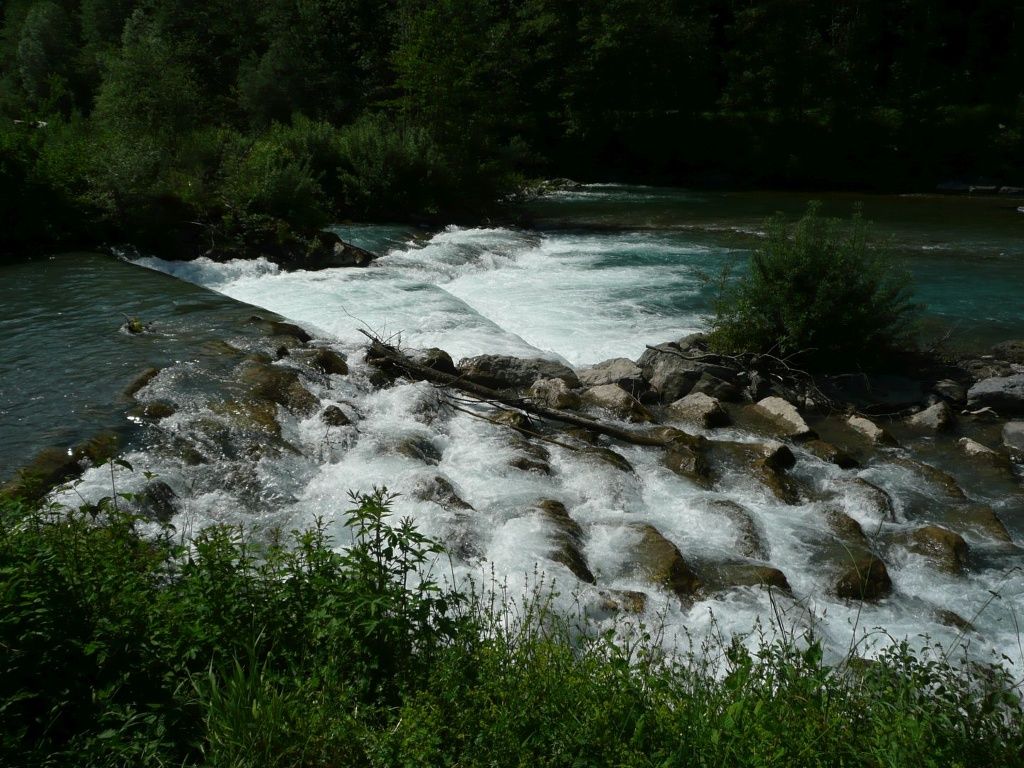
[819, 292]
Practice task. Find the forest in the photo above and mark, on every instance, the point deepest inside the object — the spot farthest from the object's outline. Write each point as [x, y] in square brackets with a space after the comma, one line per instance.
[178, 126]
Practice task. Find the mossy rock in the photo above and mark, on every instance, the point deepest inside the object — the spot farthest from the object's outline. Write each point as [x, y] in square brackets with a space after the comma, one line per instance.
[140, 381]
[279, 385]
[863, 577]
[662, 563]
[718, 577]
[943, 548]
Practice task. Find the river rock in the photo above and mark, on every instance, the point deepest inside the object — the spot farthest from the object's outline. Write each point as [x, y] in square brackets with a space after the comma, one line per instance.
[328, 361]
[718, 577]
[1013, 439]
[865, 577]
[941, 479]
[333, 416]
[749, 541]
[434, 358]
[846, 528]
[669, 375]
[934, 418]
[622, 601]
[296, 333]
[50, 467]
[253, 417]
[982, 520]
[153, 411]
[439, 490]
[831, 454]
[717, 388]
[952, 391]
[698, 408]
[555, 393]
[140, 381]
[618, 370]
[610, 457]
[662, 562]
[785, 416]
[156, 501]
[418, 448]
[871, 431]
[976, 450]
[689, 462]
[1003, 393]
[944, 548]
[504, 372]
[568, 539]
[618, 401]
[1011, 351]
[876, 502]
[279, 385]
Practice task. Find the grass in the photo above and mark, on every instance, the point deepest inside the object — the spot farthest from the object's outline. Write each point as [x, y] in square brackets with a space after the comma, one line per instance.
[120, 649]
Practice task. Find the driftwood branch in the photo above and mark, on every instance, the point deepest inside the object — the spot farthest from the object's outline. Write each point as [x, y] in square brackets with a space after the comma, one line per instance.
[401, 362]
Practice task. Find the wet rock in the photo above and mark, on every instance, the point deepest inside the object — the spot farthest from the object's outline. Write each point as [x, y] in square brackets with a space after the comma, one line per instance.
[440, 490]
[582, 435]
[251, 416]
[831, 454]
[937, 477]
[280, 385]
[330, 362]
[953, 619]
[555, 393]
[878, 501]
[618, 370]
[435, 359]
[765, 461]
[689, 462]
[622, 601]
[864, 577]
[778, 456]
[1013, 439]
[668, 374]
[610, 457]
[782, 486]
[418, 448]
[530, 464]
[874, 433]
[1003, 393]
[718, 577]
[934, 418]
[1011, 351]
[298, 334]
[49, 468]
[701, 409]
[981, 519]
[667, 435]
[617, 401]
[99, 448]
[749, 542]
[517, 420]
[987, 367]
[333, 416]
[944, 548]
[662, 563]
[951, 391]
[846, 528]
[785, 416]
[154, 411]
[976, 450]
[568, 539]
[504, 372]
[140, 381]
[157, 501]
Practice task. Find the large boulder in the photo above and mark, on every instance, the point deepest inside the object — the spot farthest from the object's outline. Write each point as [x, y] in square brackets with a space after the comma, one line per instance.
[687, 460]
[505, 372]
[671, 376]
[555, 393]
[434, 358]
[1003, 393]
[1011, 351]
[785, 417]
[617, 401]
[659, 560]
[700, 409]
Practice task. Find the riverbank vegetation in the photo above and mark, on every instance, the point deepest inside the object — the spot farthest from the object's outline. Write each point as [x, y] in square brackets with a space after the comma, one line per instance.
[182, 128]
[124, 649]
[819, 295]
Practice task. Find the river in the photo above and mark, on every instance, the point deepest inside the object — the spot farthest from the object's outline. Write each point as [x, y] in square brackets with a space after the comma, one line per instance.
[604, 271]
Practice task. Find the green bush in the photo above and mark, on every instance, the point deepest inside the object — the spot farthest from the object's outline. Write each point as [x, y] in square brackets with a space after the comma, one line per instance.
[820, 293]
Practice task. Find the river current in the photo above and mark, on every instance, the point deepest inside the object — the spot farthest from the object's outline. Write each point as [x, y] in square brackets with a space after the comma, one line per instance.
[605, 272]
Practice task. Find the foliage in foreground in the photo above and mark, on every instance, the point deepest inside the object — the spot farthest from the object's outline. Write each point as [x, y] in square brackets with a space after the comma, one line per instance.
[820, 293]
[125, 650]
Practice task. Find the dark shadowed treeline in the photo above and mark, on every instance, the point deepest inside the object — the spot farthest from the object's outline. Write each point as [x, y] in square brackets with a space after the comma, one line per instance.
[237, 116]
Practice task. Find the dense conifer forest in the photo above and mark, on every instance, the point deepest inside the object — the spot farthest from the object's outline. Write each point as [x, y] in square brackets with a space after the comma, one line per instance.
[244, 122]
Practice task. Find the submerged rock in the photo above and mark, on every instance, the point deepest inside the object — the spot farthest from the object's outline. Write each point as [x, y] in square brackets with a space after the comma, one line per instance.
[280, 385]
[568, 539]
[718, 577]
[1013, 439]
[749, 541]
[946, 549]
[140, 381]
[831, 454]
[440, 490]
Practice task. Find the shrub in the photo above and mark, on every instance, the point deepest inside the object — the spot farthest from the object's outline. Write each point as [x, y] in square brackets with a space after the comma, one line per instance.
[818, 292]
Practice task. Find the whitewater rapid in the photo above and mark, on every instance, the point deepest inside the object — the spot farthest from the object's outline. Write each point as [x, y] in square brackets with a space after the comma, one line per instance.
[579, 298]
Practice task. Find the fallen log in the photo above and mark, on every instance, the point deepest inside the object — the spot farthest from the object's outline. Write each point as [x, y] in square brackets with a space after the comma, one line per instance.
[380, 352]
